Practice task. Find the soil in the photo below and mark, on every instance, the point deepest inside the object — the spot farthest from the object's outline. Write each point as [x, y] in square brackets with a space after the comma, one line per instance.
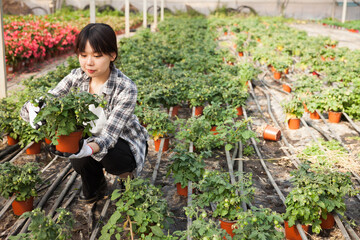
[277, 162]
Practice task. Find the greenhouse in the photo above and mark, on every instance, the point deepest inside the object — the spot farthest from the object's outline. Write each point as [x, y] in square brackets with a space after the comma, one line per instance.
[179, 119]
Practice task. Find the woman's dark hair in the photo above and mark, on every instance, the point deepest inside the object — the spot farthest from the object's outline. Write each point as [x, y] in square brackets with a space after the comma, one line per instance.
[101, 37]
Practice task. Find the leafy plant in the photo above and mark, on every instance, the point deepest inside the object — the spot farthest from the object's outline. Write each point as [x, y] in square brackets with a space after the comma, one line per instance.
[217, 114]
[30, 135]
[186, 166]
[258, 223]
[19, 180]
[293, 108]
[333, 98]
[140, 208]
[67, 114]
[216, 188]
[158, 123]
[43, 227]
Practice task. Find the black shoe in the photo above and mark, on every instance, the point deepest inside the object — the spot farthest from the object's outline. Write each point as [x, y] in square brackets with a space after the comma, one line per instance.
[98, 195]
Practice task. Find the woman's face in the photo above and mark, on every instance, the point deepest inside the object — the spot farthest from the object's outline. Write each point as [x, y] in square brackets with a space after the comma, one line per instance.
[95, 65]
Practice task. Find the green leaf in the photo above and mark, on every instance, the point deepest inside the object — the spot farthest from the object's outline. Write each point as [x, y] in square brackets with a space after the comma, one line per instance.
[157, 231]
[228, 147]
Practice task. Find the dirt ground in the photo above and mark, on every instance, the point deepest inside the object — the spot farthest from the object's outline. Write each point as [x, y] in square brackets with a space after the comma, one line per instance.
[276, 161]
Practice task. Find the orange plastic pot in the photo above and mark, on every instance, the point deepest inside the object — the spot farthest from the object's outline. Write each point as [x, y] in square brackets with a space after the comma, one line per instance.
[334, 117]
[286, 71]
[35, 148]
[69, 143]
[291, 233]
[227, 226]
[272, 68]
[305, 107]
[239, 111]
[271, 133]
[277, 75]
[181, 191]
[11, 141]
[175, 110]
[286, 88]
[314, 115]
[19, 207]
[241, 54]
[157, 144]
[213, 129]
[327, 223]
[47, 141]
[199, 110]
[294, 123]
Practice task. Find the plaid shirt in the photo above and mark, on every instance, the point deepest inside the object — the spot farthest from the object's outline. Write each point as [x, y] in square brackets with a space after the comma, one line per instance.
[120, 93]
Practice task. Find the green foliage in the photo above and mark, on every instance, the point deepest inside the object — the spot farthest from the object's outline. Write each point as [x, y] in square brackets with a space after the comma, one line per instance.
[67, 114]
[142, 206]
[19, 180]
[43, 227]
[186, 166]
[217, 114]
[216, 188]
[293, 108]
[158, 123]
[333, 98]
[258, 223]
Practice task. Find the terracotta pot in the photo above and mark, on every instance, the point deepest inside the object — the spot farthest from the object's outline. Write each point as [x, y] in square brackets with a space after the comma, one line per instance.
[294, 123]
[199, 110]
[225, 33]
[11, 141]
[157, 144]
[314, 115]
[19, 207]
[286, 71]
[213, 129]
[70, 143]
[35, 148]
[291, 233]
[47, 141]
[175, 110]
[305, 107]
[241, 54]
[272, 68]
[286, 88]
[277, 75]
[9, 69]
[271, 133]
[181, 191]
[334, 117]
[328, 223]
[239, 111]
[227, 226]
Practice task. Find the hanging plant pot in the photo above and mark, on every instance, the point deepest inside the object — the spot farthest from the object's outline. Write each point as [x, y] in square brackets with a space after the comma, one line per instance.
[69, 143]
[11, 141]
[328, 223]
[239, 111]
[334, 117]
[181, 191]
[157, 144]
[271, 133]
[199, 110]
[294, 123]
[213, 129]
[47, 141]
[19, 207]
[277, 75]
[314, 115]
[286, 88]
[35, 148]
[291, 233]
[175, 110]
[227, 226]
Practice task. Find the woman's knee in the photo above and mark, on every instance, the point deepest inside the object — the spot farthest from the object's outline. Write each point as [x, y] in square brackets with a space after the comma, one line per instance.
[84, 164]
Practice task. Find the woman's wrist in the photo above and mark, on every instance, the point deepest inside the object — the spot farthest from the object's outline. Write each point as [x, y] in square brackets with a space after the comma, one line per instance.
[94, 147]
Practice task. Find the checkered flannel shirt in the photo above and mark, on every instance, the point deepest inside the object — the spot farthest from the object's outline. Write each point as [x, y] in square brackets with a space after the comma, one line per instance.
[120, 93]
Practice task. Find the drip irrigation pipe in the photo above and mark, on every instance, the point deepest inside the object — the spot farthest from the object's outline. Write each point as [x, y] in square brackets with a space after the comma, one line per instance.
[241, 169]
[323, 133]
[10, 156]
[158, 161]
[357, 129]
[298, 226]
[8, 150]
[22, 151]
[76, 189]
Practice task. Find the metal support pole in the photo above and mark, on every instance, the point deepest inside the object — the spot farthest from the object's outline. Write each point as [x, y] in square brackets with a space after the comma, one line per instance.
[127, 20]
[92, 11]
[162, 11]
[155, 15]
[343, 16]
[145, 13]
[3, 86]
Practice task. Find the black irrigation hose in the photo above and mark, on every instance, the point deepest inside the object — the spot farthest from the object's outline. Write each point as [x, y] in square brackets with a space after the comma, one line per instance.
[9, 150]
[10, 156]
[357, 129]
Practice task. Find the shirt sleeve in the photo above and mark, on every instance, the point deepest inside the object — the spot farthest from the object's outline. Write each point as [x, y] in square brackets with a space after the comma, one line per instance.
[120, 115]
[64, 86]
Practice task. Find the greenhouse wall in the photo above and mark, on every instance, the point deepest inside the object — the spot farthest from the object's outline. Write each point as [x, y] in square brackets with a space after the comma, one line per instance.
[304, 9]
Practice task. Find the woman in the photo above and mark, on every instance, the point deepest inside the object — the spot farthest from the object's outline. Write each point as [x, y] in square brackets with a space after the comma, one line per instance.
[119, 142]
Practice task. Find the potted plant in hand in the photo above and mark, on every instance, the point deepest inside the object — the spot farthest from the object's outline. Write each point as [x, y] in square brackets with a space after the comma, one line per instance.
[258, 223]
[185, 166]
[20, 181]
[216, 188]
[294, 110]
[67, 119]
[43, 227]
[159, 126]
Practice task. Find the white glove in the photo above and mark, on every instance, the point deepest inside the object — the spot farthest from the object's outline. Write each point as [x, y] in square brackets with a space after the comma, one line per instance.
[33, 112]
[85, 151]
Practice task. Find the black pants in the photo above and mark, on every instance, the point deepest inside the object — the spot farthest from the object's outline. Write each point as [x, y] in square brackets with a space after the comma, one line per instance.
[118, 160]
